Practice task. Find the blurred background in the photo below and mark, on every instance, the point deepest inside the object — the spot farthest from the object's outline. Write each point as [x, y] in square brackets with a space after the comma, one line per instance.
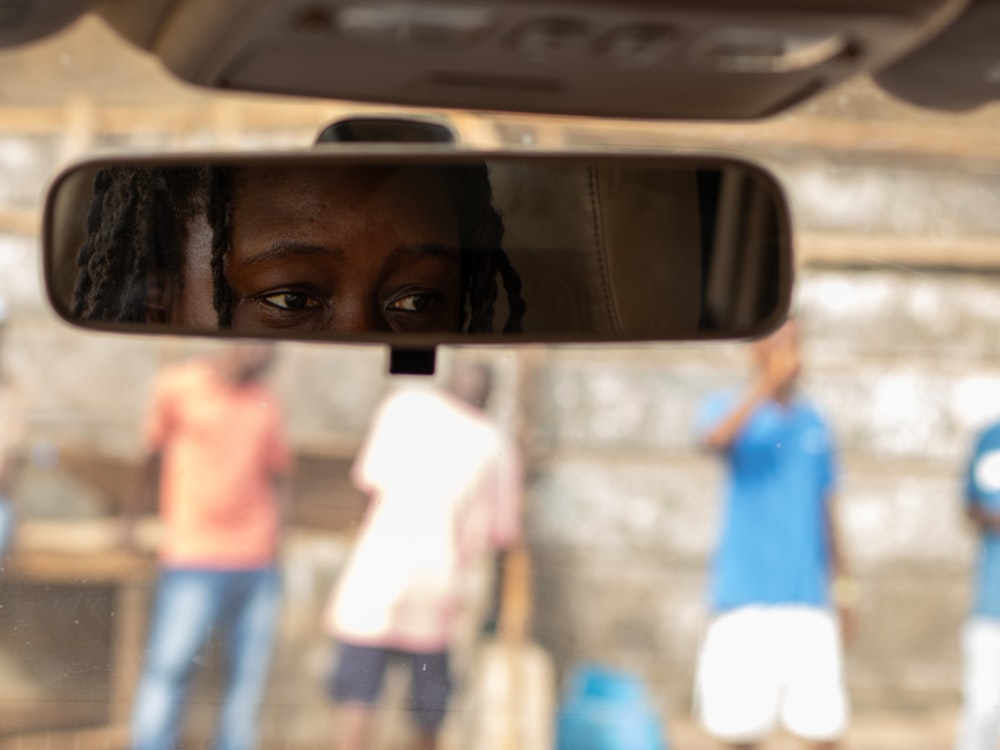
[897, 225]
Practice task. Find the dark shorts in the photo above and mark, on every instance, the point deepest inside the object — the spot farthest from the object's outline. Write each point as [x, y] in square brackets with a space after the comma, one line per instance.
[357, 678]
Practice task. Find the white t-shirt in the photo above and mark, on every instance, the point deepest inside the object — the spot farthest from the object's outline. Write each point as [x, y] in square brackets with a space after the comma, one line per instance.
[445, 487]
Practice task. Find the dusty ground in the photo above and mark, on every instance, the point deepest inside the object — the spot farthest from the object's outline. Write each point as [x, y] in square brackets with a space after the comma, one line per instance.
[871, 731]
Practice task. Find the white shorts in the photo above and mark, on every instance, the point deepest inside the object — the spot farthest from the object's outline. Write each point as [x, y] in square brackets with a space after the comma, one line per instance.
[979, 726]
[762, 665]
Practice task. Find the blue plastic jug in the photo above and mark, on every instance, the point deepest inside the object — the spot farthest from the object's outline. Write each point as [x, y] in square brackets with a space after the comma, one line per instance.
[607, 710]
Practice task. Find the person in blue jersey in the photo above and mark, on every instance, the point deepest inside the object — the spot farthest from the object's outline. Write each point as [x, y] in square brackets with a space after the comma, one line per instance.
[772, 652]
[979, 725]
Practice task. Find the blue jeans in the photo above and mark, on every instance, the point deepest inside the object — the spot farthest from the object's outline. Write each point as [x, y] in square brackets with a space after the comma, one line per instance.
[191, 605]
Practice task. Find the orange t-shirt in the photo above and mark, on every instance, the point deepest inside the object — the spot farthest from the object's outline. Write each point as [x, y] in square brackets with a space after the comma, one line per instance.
[223, 446]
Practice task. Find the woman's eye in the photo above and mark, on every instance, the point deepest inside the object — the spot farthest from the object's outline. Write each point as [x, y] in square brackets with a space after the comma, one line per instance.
[413, 303]
[290, 301]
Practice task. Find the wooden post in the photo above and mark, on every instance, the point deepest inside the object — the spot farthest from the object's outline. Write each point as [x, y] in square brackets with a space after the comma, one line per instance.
[129, 641]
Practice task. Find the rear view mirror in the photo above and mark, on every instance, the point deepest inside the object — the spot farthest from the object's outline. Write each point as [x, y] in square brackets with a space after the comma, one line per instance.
[421, 246]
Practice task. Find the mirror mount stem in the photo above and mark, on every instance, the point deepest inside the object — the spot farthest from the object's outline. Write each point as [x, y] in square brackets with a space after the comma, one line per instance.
[388, 129]
[412, 361]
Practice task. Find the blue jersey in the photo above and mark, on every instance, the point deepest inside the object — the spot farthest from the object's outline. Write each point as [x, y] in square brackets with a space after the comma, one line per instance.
[982, 489]
[775, 546]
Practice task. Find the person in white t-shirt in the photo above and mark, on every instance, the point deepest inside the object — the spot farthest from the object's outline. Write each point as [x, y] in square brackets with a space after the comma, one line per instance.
[445, 486]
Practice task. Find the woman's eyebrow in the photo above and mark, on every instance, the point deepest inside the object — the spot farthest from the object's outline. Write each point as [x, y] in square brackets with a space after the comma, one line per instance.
[447, 252]
[285, 248]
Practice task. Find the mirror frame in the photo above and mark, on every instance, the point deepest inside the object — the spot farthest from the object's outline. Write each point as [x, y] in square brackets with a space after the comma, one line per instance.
[336, 154]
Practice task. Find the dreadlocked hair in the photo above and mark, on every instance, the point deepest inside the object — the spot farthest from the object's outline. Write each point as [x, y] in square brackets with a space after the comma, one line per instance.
[135, 227]
[480, 230]
[220, 214]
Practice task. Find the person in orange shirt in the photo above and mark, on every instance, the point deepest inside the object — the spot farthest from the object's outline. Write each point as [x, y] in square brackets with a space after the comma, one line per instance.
[216, 431]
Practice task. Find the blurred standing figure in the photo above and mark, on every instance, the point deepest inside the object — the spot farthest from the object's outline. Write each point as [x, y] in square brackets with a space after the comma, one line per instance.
[218, 432]
[979, 727]
[773, 650]
[445, 487]
[11, 436]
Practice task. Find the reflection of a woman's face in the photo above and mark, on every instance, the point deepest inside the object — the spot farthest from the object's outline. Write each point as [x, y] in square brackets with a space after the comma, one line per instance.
[343, 249]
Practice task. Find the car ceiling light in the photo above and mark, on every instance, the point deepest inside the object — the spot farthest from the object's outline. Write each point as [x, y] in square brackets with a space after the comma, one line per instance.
[413, 23]
[638, 46]
[754, 50]
[543, 39]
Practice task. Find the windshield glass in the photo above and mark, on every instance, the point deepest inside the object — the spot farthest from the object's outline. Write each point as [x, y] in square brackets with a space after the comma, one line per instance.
[599, 555]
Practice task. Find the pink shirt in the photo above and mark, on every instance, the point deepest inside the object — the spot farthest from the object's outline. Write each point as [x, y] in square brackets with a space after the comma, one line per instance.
[222, 446]
[446, 486]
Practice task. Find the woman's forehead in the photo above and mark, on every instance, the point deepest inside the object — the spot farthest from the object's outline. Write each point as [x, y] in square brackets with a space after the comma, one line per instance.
[412, 203]
[360, 181]
[324, 205]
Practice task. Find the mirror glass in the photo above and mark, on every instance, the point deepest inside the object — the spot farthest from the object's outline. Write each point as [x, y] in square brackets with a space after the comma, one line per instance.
[432, 248]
